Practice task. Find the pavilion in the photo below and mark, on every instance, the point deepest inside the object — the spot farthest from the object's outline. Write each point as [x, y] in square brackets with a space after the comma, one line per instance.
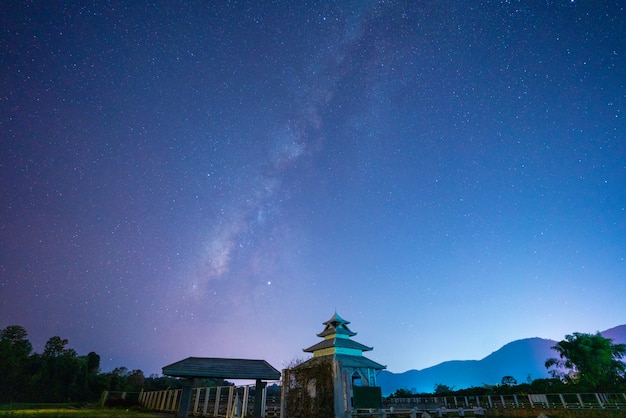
[220, 368]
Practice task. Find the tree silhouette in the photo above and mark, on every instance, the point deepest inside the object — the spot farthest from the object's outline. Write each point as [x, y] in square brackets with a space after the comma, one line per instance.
[15, 350]
[589, 360]
[402, 393]
[61, 372]
[509, 381]
[441, 389]
[55, 347]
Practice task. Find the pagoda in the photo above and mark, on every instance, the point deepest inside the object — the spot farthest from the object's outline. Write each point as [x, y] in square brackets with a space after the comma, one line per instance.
[351, 376]
[338, 343]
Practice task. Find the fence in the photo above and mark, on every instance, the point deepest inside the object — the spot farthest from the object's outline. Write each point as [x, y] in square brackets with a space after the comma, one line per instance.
[232, 401]
[222, 401]
[542, 401]
[477, 406]
[418, 413]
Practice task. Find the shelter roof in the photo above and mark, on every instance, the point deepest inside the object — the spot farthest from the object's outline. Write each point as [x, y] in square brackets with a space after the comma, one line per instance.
[222, 368]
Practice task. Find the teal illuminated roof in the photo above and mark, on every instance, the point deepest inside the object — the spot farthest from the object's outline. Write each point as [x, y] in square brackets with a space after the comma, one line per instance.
[336, 325]
[338, 345]
[358, 362]
[222, 368]
[337, 342]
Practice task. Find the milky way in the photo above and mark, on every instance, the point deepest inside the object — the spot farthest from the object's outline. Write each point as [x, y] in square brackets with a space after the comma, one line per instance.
[218, 179]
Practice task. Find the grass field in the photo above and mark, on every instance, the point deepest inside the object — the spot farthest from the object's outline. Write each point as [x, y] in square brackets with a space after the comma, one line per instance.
[70, 411]
[87, 411]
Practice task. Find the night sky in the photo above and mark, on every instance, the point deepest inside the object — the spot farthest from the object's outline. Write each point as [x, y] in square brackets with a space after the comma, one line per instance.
[216, 179]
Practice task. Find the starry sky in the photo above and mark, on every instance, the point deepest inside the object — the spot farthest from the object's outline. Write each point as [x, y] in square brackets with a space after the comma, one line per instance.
[216, 179]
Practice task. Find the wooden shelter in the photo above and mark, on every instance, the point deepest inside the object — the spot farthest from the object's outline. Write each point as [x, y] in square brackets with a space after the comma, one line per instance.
[220, 368]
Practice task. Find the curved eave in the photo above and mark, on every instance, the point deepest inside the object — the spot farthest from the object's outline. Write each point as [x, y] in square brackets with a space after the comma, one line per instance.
[355, 362]
[359, 362]
[340, 330]
[337, 342]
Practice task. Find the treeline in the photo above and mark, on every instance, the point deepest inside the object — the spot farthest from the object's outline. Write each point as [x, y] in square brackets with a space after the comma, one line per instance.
[585, 363]
[551, 385]
[60, 374]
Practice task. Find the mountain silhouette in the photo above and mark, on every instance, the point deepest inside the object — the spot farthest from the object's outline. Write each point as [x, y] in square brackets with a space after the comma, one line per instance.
[523, 359]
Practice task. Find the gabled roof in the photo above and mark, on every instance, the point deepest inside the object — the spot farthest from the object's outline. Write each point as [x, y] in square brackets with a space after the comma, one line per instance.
[222, 368]
[337, 342]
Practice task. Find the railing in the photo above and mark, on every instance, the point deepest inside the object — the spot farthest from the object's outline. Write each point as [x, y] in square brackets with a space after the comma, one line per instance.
[222, 401]
[418, 413]
[541, 401]
[231, 401]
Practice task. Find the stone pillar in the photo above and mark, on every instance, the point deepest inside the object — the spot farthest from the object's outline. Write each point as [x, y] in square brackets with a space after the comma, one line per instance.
[283, 392]
[185, 398]
[339, 389]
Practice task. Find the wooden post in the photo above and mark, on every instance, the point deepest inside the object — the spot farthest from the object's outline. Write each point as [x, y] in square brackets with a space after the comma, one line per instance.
[103, 399]
[195, 404]
[229, 406]
[599, 401]
[244, 401]
[176, 394]
[259, 395]
[163, 396]
[218, 395]
[207, 395]
[185, 399]
[264, 401]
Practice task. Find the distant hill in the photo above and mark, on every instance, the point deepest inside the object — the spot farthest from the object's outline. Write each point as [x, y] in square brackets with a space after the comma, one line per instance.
[522, 359]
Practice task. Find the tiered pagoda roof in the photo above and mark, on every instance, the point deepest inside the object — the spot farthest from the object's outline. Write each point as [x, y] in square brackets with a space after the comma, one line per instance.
[336, 325]
[338, 343]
